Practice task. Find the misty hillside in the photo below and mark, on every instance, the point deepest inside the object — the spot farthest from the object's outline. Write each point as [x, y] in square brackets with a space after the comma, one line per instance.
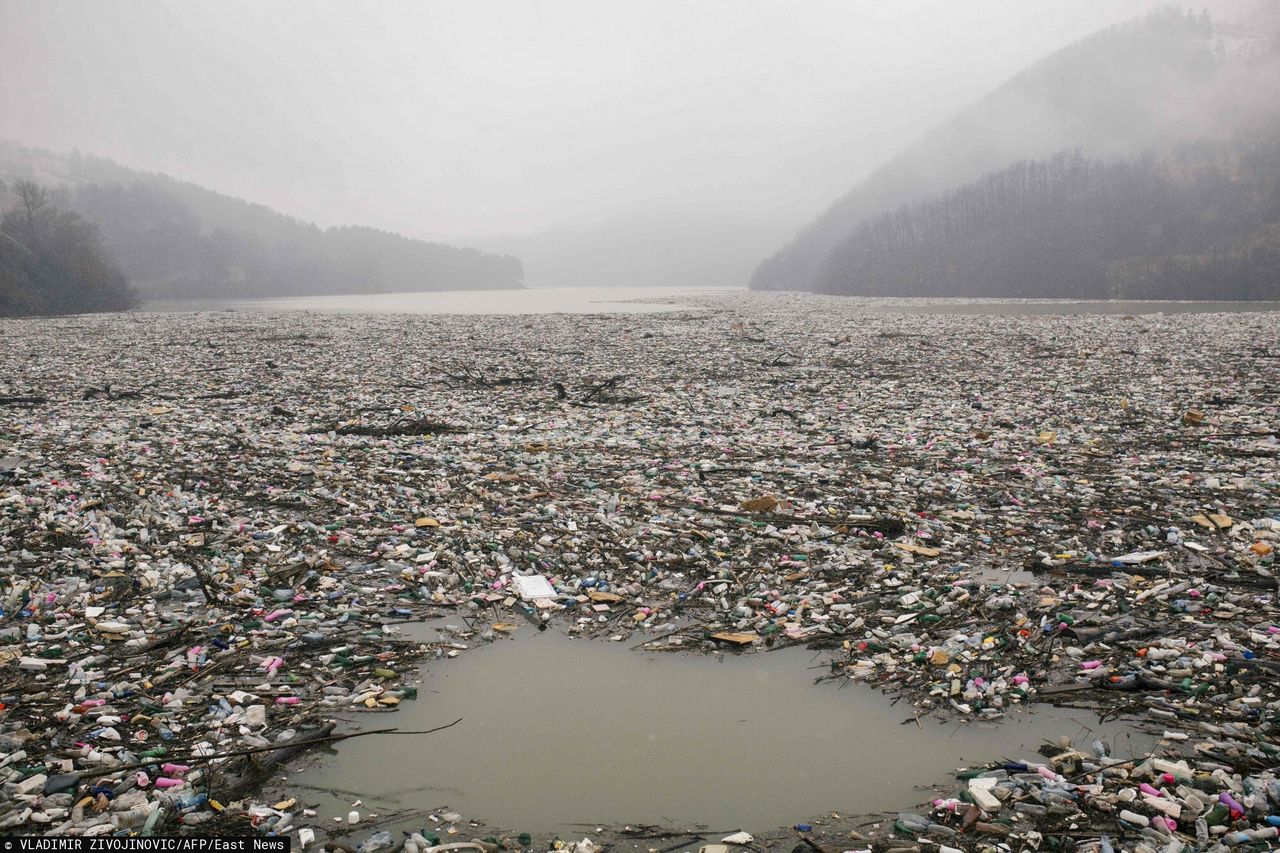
[175, 239]
[651, 246]
[1203, 223]
[1116, 94]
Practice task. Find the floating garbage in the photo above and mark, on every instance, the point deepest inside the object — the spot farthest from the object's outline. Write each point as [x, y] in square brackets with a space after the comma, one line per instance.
[216, 528]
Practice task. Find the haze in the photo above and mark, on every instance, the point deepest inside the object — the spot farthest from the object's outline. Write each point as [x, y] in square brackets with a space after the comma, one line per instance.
[603, 142]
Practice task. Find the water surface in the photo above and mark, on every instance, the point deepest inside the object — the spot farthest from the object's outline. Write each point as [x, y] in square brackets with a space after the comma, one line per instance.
[544, 300]
[644, 300]
[557, 731]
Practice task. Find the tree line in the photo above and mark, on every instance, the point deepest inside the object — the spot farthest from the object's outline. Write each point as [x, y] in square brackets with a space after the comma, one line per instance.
[181, 241]
[1200, 223]
[101, 245]
[52, 261]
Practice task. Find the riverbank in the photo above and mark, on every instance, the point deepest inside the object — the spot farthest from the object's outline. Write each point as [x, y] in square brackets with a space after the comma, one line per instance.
[214, 525]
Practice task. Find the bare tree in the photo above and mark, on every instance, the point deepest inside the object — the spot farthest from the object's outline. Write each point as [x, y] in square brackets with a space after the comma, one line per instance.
[33, 200]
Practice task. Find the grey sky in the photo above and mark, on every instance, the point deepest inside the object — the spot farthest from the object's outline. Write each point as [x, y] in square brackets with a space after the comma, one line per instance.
[466, 120]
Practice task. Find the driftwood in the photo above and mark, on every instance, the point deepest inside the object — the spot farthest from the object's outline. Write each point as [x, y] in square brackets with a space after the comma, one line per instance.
[1147, 571]
[255, 771]
[476, 378]
[774, 412]
[804, 836]
[597, 393]
[293, 745]
[779, 361]
[600, 387]
[399, 426]
[207, 586]
[106, 392]
[885, 525]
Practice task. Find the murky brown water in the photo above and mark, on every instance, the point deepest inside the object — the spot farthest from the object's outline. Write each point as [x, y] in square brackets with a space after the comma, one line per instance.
[558, 731]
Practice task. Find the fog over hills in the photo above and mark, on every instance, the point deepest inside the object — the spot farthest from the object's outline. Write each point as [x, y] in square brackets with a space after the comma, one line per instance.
[239, 149]
[1166, 78]
[596, 140]
[175, 239]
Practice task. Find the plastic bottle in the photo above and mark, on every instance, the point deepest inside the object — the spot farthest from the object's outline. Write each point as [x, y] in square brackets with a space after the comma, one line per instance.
[130, 818]
[153, 819]
[911, 823]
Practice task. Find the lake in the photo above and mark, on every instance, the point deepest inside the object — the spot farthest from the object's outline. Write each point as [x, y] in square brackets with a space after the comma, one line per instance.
[638, 300]
[546, 300]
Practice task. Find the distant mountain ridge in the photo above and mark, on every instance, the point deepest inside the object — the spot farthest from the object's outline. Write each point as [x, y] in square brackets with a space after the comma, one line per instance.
[176, 239]
[1203, 223]
[1125, 90]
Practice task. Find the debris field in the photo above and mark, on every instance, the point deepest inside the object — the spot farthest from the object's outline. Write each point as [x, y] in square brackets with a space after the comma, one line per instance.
[214, 526]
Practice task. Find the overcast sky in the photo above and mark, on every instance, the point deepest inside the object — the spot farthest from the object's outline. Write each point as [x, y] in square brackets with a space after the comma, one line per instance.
[467, 119]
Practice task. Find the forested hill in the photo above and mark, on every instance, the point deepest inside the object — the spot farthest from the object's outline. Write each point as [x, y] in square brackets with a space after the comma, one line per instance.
[175, 239]
[1201, 223]
[1128, 89]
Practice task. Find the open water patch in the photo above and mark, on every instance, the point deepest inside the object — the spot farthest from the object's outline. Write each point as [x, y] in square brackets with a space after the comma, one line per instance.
[558, 732]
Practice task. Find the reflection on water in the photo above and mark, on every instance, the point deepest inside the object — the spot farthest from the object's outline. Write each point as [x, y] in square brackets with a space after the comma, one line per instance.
[557, 731]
